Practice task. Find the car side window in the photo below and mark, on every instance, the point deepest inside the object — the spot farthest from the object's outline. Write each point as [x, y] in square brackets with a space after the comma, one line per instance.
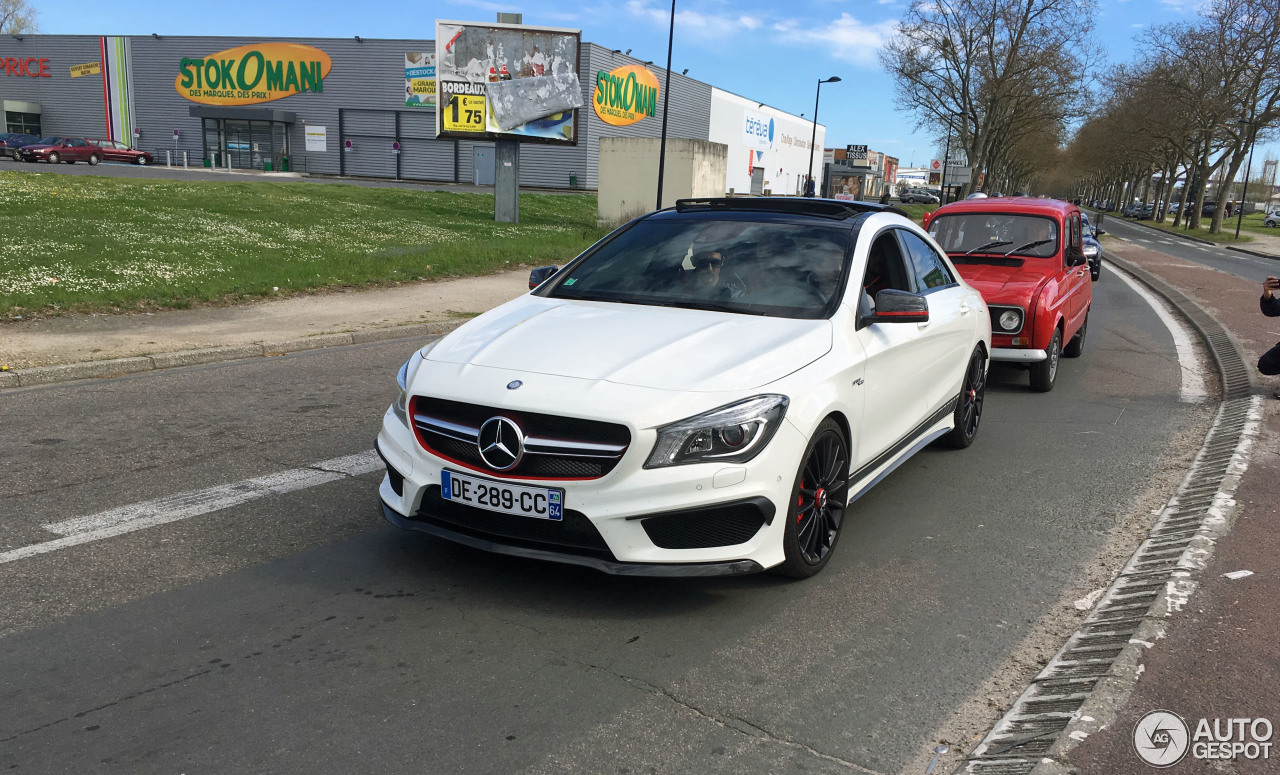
[76, 143]
[886, 267]
[929, 270]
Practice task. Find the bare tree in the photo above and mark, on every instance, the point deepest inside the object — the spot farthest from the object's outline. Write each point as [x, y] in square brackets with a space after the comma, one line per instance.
[998, 69]
[17, 17]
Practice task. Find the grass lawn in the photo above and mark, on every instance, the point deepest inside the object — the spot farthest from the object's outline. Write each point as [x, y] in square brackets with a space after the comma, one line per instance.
[88, 243]
[915, 211]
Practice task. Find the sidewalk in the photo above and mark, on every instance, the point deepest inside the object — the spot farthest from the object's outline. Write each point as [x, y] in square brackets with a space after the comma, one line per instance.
[78, 338]
[1218, 658]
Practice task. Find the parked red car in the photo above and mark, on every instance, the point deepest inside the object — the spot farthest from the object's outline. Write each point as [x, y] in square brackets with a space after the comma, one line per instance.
[114, 150]
[1026, 257]
[56, 149]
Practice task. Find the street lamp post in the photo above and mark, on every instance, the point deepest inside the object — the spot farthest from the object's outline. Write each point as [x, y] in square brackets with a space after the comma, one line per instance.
[1248, 170]
[666, 100]
[813, 138]
[946, 156]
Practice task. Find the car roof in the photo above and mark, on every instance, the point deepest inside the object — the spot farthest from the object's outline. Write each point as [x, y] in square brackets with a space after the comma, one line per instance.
[829, 209]
[1007, 204]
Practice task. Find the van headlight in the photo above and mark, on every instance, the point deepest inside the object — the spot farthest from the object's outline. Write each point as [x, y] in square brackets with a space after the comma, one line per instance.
[734, 433]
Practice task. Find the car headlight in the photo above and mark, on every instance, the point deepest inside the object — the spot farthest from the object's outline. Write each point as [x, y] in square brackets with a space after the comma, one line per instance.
[1090, 250]
[734, 433]
[1010, 320]
[404, 377]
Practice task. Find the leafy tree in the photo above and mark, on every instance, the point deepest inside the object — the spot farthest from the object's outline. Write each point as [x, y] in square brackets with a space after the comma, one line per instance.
[17, 17]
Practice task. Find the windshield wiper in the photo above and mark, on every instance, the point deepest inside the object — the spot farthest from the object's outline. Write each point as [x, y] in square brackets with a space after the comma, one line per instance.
[716, 307]
[1029, 245]
[988, 246]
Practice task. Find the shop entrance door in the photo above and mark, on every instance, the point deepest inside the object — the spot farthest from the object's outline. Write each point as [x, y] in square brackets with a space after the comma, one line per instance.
[246, 145]
[757, 181]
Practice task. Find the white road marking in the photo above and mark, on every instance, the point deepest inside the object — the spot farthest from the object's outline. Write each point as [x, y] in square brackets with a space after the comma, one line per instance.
[139, 516]
[1140, 239]
[1192, 365]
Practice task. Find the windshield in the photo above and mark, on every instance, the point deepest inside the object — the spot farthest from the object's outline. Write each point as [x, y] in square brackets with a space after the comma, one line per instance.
[1002, 234]
[747, 267]
[49, 141]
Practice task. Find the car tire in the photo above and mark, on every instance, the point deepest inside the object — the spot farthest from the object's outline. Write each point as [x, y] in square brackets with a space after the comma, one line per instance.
[54, 158]
[968, 414]
[1096, 274]
[142, 161]
[1075, 348]
[1045, 373]
[816, 508]
[93, 160]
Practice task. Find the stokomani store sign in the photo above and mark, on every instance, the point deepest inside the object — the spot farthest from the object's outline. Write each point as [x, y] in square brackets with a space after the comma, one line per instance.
[625, 95]
[247, 75]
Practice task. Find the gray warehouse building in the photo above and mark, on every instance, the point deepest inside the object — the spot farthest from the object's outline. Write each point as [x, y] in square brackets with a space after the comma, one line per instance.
[351, 118]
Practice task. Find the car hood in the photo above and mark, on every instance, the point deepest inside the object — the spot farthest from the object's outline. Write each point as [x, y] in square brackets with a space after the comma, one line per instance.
[37, 147]
[1002, 283]
[664, 348]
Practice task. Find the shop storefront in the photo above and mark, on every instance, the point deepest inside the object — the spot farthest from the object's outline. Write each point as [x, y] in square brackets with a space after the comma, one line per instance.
[240, 138]
[350, 106]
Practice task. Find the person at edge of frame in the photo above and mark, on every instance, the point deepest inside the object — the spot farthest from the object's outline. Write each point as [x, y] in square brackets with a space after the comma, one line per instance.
[1269, 363]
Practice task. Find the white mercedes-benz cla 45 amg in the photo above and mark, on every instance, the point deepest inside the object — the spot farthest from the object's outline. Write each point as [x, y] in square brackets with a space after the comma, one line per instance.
[702, 392]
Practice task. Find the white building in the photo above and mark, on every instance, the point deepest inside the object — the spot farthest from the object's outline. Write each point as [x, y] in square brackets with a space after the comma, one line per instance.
[768, 148]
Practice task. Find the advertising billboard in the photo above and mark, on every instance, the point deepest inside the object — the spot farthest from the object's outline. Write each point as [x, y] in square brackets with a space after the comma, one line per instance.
[419, 80]
[507, 81]
[247, 75]
[625, 95]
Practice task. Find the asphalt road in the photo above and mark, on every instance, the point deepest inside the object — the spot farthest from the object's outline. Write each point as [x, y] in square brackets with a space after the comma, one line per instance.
[300, 633]
[1234, 262]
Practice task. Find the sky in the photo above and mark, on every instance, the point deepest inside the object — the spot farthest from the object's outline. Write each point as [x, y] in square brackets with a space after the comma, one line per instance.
[770, 51]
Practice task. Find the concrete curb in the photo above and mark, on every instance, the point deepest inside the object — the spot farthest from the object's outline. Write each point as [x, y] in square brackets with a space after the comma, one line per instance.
[116, 367]
[1271, 256]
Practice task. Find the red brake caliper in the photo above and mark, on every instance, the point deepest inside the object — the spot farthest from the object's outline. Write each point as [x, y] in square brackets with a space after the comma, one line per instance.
[799, 500]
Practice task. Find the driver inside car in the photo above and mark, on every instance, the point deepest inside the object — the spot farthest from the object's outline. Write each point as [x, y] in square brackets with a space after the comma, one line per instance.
[707, 278]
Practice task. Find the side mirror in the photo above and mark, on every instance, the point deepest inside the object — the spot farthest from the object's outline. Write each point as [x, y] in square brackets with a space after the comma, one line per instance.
[1098, 232]
[539, 276]
[893, 306]
[1076, 259]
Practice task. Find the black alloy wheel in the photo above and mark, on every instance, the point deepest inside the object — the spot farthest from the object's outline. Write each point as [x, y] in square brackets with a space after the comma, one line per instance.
[1045, 373]
[818, 501]
[973, 391]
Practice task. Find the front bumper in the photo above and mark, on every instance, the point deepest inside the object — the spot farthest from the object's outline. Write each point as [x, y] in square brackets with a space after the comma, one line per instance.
[729, 568]
[691, 520]
[1017, 355]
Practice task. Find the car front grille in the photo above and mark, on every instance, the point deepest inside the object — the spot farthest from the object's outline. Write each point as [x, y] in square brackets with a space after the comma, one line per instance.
[573, 533]
[554, 447]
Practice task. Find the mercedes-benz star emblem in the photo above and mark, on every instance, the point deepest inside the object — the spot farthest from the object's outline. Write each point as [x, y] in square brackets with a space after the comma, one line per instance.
[501, 443]
[513, 384]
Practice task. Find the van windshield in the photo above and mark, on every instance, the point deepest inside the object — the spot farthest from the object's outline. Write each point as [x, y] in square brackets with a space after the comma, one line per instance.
[1002, 234]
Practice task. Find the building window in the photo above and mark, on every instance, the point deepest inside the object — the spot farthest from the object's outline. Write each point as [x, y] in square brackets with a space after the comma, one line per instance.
[22, 123]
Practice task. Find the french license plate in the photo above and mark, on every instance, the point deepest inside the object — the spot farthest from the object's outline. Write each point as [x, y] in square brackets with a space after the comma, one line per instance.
[536, 502]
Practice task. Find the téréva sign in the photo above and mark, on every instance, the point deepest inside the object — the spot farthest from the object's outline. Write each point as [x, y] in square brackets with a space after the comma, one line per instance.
[246, 75]
[625, 95]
